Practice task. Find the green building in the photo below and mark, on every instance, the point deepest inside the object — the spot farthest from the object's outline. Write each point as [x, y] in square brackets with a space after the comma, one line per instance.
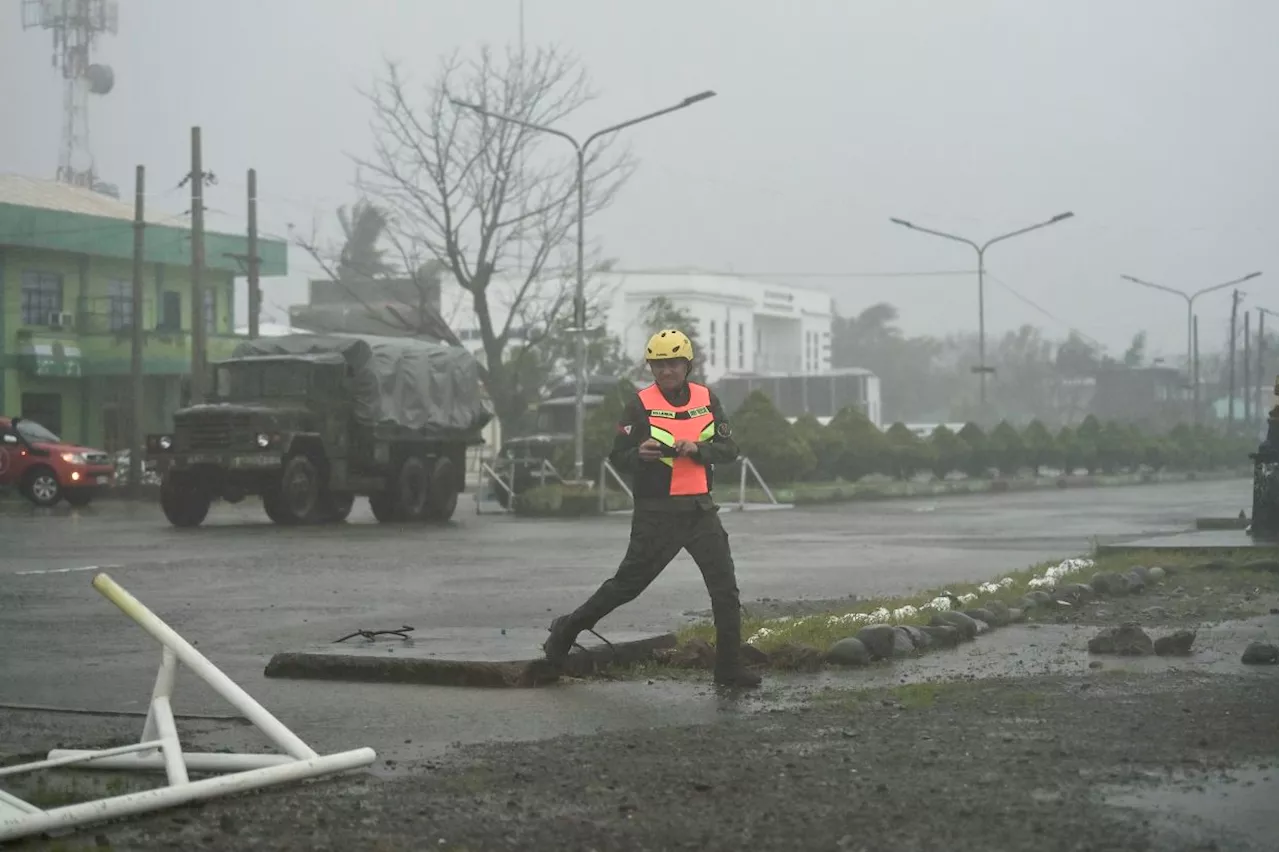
[66, 308]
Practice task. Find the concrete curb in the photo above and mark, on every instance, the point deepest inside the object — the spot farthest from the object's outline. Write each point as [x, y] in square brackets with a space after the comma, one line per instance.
[430, 671]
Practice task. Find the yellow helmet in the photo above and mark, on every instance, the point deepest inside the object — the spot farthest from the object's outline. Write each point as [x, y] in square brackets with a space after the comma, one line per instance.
[669, 343]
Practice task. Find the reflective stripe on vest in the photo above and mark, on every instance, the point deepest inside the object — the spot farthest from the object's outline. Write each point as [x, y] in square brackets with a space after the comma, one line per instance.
[692, 421]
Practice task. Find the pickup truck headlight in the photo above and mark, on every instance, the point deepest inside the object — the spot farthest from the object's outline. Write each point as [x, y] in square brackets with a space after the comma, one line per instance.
[264, 440]
[165, 442]
[74, 458]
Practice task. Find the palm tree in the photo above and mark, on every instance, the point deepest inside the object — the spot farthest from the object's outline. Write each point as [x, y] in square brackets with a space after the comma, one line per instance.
[362, 227]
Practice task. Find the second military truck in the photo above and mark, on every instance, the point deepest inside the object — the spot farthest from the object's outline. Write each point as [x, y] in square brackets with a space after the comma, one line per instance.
[310, 422]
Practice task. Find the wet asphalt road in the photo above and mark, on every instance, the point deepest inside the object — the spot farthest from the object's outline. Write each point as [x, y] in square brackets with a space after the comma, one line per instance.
[243, 589]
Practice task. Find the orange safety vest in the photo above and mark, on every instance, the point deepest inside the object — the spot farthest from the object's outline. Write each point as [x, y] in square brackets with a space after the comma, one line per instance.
[692, 421]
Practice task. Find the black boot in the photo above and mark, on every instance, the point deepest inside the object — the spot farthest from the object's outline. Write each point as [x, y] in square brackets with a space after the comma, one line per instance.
[729, 669]
[564, 633]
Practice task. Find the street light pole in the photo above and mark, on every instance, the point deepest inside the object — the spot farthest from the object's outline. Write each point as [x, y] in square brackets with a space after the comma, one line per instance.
[579, 300]
[1192, 367]
[982, 369]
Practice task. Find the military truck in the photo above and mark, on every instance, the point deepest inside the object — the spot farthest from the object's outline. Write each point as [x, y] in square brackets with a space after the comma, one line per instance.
[528, 460]
[310, 422]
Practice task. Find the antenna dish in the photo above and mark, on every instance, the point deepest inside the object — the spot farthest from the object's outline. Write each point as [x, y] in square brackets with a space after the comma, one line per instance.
[101, 78]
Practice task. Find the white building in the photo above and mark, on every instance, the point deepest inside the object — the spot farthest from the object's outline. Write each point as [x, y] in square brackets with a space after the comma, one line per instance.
[744, 326]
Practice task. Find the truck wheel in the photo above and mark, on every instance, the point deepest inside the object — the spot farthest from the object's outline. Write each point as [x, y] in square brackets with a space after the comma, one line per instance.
[273, 505]
[300, 490]
[336, 507]
[41, 487]
[384, 507]
[184, 504]
[442, 491]
[411, 490]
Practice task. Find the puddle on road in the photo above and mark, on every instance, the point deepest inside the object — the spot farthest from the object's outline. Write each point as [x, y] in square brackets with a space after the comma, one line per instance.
[1234, 809]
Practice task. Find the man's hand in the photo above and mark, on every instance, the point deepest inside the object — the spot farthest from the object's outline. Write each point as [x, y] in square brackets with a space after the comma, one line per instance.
[686, 449]
[650, 450]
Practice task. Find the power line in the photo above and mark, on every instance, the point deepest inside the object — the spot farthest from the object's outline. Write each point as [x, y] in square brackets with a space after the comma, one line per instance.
[730, 273]
[1028, 301]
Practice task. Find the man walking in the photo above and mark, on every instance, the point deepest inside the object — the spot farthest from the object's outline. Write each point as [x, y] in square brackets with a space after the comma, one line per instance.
[670, 436]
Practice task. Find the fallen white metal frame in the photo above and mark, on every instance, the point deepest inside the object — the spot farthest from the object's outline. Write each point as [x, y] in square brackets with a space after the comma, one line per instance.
[489, 475]
[607, 470]
[160, 747]
[743, 505]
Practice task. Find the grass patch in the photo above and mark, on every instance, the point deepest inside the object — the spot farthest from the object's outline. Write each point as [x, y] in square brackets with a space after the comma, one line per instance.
[823, 629]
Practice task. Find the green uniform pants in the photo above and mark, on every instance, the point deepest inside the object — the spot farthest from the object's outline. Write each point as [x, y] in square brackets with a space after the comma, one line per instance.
[657, 537]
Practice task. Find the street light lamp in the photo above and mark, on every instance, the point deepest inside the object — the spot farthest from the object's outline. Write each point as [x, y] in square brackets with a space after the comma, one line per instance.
[982, 369]
[1192, 371]
[579, 300]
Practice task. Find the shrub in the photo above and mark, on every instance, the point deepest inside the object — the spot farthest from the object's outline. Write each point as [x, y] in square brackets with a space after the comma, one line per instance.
[864, 448]
[908, 455]
[1039, 447]
[948, 451]
[1005, 450]
[764, 436]
[825, 443]
[976, 463]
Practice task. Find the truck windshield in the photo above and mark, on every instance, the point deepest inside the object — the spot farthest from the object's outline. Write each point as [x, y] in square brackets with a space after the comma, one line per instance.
[262, 381]
[34, 432]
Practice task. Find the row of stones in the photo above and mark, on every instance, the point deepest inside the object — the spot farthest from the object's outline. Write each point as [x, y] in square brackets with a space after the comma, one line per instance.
[946, 629]
[949, 628]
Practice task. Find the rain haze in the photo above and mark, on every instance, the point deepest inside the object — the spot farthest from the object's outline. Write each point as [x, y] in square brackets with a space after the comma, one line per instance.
[706, 489]
[1155, 122]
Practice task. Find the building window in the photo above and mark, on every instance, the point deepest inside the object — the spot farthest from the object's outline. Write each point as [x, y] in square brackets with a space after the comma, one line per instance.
[711, 348]
[41, 296]
[119, 305]
[742, 347]
[170, 311]
[43, 408]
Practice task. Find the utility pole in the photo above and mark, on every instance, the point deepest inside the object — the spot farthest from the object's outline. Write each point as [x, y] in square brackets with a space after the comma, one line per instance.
[136, 333]
[1262, 356]
[198, 336]
[982, 369]
[579, 299]
[1244, 382]
[1195, 364]
[255, 294]
[1231, 365]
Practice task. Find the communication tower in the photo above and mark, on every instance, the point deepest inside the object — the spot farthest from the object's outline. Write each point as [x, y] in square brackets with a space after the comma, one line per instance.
[76, 25]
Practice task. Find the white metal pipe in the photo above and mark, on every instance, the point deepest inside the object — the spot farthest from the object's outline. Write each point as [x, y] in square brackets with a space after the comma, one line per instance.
[742, 486]
[763, 485]
[207, 671]
[74, 816]
[64, 757]
[196, 761]
[163, 687]
[174, 768]
[17, 804]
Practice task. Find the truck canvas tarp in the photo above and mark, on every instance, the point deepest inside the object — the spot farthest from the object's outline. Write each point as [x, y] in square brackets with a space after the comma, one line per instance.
[429, 389]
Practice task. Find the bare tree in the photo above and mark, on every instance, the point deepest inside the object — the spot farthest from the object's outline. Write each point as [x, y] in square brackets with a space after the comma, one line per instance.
[491, 201]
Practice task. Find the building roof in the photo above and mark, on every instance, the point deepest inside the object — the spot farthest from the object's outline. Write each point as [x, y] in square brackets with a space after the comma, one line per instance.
[24, 191]
[54, 216]
[722, 284]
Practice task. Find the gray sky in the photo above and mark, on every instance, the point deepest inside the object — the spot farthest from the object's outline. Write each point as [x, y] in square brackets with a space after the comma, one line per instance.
[1155, 121]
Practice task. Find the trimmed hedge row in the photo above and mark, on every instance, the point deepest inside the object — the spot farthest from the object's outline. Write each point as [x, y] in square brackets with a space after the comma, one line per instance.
[850, 448]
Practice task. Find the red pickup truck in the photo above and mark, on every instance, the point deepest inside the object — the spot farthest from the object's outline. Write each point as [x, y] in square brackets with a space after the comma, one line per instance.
[45, 469]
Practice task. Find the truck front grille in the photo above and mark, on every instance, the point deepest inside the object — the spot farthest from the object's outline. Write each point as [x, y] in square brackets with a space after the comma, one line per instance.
[213, 432]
